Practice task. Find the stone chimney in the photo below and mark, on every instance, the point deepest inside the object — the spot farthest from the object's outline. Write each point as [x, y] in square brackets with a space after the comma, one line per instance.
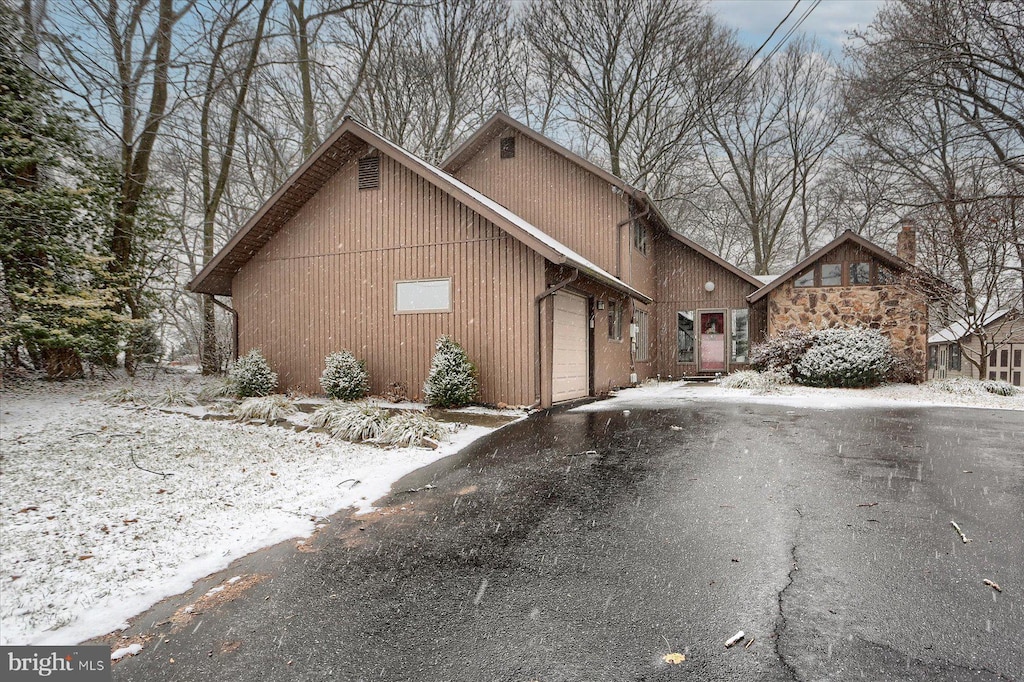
[906, 242]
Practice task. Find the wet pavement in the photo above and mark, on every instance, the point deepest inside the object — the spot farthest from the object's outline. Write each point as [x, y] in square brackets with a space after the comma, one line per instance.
[588, 545]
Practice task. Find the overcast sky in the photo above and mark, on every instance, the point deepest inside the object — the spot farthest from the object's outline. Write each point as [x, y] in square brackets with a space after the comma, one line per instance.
[755, 19]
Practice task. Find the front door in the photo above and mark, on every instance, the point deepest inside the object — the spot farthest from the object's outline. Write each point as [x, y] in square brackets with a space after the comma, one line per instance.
[712, 341]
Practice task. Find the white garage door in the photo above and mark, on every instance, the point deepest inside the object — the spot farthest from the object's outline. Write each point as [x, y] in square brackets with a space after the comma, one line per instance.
[571, 369]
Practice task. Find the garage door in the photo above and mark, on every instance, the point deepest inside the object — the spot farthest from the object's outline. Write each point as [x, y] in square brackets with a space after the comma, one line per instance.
[570, 366]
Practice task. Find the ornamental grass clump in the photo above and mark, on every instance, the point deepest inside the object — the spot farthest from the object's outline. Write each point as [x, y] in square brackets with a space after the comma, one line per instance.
[452, 379]
[410, 428]
[758, 382]
[269, 408]
[174, 396]
[251, 376]
[352, 421]
[344, 377]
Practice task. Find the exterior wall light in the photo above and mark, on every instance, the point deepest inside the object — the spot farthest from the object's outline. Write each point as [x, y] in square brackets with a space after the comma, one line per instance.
[709, 286]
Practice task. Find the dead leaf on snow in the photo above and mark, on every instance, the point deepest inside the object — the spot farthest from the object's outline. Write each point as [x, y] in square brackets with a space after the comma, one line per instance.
[673, 658]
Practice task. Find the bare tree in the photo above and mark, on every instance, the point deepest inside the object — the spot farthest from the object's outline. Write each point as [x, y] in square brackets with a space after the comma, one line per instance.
[765, 144]
[633, 76]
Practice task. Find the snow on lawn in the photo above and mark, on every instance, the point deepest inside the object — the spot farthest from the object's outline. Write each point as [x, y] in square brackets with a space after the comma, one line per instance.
[105, 509]
[671, 393]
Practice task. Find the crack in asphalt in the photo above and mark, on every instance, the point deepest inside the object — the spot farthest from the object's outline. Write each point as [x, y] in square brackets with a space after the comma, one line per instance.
[780, 626]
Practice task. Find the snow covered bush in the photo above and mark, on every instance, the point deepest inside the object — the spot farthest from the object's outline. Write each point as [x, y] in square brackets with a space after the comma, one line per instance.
[850, 358]
[268, 408]
[355, 422]
[759, 382]
[999, 387]
[966, 386]
[344, 378]
[251, 375]
[452, 380]
[121, 396]
[408, 428]
[781, 352]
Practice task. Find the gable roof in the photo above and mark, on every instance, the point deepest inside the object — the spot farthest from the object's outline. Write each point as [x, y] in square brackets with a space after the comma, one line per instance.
[349, 141]
[500, 121]
[847, 236]
[966, 327]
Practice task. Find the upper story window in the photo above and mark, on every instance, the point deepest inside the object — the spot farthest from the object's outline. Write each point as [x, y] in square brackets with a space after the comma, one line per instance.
[369, 172]
[831, 274]
[860, 273]
[508, 147]
[805, 278]
[640, 237]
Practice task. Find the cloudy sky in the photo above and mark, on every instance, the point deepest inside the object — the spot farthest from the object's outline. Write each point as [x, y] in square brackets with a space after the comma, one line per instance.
[829, 21]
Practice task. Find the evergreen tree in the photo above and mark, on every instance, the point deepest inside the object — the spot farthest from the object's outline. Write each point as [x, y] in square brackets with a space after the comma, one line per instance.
[56, 299]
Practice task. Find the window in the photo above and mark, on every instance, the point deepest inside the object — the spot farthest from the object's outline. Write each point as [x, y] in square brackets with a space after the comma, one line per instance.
[992, 358]
[614, 320]
[860, 273]
[369, 172]
[955, 357]
[933, 357]
[740, 334]
[831, 274]
[805, 279]
[684, 337]
[642, 347]
[640, 237]
[508, 147]
[1004, 358]
[1016, 358]
[1016, 378]
[424, 296]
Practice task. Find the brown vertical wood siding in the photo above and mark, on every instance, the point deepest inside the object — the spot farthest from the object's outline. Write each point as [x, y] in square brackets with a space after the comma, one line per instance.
[326, 282]
[682, 274]
[564, 200]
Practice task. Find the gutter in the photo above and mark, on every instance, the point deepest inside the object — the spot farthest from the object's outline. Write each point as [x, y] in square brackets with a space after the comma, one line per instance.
[550, 291]
[234, 325]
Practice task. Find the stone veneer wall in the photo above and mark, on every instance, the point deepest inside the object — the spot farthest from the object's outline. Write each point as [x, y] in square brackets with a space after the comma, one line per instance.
[895, 310]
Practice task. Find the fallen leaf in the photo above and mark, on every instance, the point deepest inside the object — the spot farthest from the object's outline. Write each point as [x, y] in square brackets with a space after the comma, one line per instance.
[161, 491]
[994, 586]
[127, 521]
[83, 557]
[673, 658]
[28, 509]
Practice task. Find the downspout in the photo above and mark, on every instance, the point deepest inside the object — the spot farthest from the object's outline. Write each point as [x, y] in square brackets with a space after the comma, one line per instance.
[234, 325]
[540, 337]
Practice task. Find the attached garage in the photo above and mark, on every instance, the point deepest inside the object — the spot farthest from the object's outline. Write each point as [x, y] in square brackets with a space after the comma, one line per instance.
[570, 357]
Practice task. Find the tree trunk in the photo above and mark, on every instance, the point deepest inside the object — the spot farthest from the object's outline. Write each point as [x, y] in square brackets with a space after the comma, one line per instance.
[62, 363]
[209, 358]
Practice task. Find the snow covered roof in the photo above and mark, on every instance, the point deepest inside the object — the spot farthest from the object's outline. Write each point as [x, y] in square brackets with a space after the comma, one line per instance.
[965, 327]
[348, 140]
[766, 279]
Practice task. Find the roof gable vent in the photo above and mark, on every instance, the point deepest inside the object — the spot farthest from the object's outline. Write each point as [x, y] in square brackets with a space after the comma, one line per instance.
[508, 147]
[369, 172]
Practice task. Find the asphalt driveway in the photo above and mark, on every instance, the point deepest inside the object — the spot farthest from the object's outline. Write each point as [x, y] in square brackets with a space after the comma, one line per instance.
[588, 545]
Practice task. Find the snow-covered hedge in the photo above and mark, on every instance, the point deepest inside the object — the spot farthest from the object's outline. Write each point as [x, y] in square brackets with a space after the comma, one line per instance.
[452, 380]
[848, 358]
[969, 386]
[781, 352]
[251, 375]
[839, 357]
[345, 377]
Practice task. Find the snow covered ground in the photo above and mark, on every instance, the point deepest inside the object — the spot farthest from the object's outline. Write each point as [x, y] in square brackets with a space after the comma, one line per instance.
[105, 510]
[671, 393]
